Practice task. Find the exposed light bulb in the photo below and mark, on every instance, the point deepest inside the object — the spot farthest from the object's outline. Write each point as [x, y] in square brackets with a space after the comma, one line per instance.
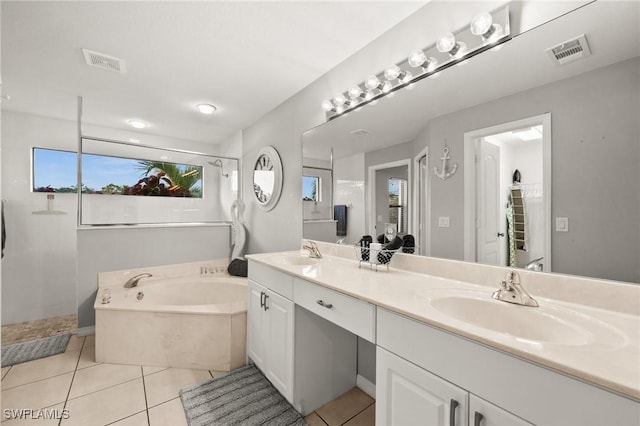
[387, 86]
[206, 108]
[372, 82]
[481, 23]
[328, 106]
[417, 58]
[355, 92]
[137, 124]
[446, 43]
[339, 109]
[407, 77]
[392, 72]
[340, 99]
[369, 95]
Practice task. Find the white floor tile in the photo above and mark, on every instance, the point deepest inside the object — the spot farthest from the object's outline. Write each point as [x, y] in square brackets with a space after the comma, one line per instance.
[106, 406]
[102, 376]
[43, 393]
[5, 370]
[75, 343]
[88, 355]
[42, 368]
[150, 370]
[168, 414]
[139, 419]
[165, 385]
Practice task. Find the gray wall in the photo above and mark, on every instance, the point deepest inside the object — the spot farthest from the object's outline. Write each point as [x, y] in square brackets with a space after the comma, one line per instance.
[595, 163]
[102, 250]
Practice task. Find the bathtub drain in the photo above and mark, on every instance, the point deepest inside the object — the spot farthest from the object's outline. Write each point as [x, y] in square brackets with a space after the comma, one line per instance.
[140, 295]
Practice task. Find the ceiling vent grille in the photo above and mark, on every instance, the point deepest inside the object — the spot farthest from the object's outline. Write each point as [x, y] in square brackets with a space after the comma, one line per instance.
[105, 62]
[570, 50]
[359, 132]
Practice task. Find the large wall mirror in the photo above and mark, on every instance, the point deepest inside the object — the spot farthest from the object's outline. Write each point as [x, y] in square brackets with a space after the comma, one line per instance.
[570, 131]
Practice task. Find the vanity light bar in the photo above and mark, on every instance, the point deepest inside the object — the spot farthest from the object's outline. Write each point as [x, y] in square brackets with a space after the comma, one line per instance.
[485, 31]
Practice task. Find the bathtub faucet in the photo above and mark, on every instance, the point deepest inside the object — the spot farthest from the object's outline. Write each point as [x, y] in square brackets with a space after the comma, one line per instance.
[133, 281]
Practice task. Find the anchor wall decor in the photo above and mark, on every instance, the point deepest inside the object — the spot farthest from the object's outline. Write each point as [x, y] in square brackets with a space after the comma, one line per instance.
[446, 171]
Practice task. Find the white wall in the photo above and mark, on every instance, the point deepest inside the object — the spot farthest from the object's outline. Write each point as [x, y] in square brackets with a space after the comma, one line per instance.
[39, 267]
[349, 184]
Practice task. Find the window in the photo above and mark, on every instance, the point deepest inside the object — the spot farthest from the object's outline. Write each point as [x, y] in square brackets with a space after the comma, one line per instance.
[311, 188]
[398, 203]
[56, 171]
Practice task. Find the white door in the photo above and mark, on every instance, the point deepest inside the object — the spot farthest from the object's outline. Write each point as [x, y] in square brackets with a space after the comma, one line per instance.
[489, 236]
[408, 395]
[255, 324]
[483, 413]
[279, 343]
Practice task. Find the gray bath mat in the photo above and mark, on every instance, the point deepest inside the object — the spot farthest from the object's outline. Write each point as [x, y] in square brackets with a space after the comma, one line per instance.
[35, 349]
[242, 397]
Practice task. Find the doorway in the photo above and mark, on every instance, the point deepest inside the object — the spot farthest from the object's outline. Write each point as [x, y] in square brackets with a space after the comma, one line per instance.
[389, 186]
[508, 194]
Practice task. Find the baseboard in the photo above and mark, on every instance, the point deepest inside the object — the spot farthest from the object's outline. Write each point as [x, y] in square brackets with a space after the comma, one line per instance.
[86, 331]
[366, 386]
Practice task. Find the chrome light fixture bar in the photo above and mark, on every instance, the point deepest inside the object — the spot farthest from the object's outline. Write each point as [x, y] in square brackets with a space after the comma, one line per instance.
[486, 30]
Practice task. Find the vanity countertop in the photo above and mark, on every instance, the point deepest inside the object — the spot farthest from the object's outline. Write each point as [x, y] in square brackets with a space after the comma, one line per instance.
[604, 350]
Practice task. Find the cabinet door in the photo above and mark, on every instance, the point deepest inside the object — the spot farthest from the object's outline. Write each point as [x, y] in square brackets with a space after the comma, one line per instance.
[408, 395]
[483, 413]
[255, 324]
[279, 317]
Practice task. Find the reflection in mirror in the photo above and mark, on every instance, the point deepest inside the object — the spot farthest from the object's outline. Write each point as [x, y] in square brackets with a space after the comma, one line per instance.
[593, 102]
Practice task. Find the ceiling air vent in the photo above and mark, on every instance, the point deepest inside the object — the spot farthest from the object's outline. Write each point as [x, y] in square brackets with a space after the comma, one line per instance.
[105, 62]
[359, 132]
[570, 50]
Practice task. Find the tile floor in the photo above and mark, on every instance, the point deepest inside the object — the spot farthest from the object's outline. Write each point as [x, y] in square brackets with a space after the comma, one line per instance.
[121, 395]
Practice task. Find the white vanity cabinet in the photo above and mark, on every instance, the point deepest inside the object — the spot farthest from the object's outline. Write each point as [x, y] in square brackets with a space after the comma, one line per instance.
[409, 395]
[307, 357]
[270, 330]
[426, 367]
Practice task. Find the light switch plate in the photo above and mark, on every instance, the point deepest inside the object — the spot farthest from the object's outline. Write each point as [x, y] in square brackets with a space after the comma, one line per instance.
[562, 224]
[443, 221]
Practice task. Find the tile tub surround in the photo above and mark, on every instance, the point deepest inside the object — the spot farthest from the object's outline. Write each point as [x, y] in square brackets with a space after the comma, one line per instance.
[184, 334]
[408, 291]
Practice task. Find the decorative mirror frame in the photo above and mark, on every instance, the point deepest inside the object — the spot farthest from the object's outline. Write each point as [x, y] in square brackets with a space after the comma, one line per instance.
[273, 155]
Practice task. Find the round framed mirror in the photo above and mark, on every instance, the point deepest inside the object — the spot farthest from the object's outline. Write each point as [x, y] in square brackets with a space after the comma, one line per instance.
[267, 178]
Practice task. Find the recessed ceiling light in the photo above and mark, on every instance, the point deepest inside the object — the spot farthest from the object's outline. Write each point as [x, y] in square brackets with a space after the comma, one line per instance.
[138, 124]
[206, 108]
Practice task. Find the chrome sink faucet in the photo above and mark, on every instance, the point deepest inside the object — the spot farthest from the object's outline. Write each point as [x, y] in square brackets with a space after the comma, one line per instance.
[312, 248]
[133, 281]
[511, 291]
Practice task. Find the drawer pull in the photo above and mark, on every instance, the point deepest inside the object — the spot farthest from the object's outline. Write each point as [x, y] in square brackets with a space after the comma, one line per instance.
[453, 405]
[477, 419]
[324, 305]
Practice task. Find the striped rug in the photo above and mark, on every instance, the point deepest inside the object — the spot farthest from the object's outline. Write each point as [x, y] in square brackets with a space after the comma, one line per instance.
[35, 349]
[242, 397]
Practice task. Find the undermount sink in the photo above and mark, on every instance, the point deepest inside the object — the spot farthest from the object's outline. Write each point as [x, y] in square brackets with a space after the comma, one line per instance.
[295, 260]
[548, 323]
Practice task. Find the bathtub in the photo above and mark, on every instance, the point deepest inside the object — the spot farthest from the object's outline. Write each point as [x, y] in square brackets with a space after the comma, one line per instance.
[197, 322]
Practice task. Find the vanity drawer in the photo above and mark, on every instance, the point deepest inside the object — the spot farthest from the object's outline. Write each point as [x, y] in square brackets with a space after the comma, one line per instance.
[345, 311]
[274, 280]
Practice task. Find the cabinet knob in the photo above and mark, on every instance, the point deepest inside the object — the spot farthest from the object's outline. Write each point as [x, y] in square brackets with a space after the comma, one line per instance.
[324, 305]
